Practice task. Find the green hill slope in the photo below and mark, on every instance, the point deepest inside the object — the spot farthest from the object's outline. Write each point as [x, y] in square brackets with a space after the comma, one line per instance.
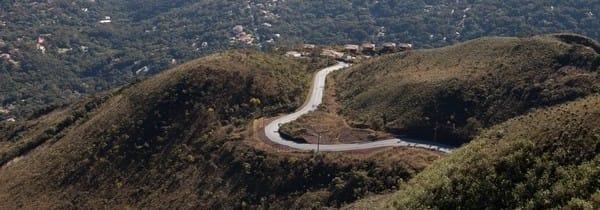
[448, 94]
[543, 160]
[151, 139]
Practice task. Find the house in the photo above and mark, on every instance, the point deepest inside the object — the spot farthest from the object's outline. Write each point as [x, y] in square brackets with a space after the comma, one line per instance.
[351, 48]
[389, 47]
[428, 8]
[308, 46]
[106, 19]
[238, 29]
[241, 36]
[11, 120]
[405, 46]
[245, 38]
[5, 56]
[64, 50]
[308, 49]
[4, 111]
[368, 48]
[293, 54]
[349, 58]
[332, 54]
[41, 48]
[83, 48]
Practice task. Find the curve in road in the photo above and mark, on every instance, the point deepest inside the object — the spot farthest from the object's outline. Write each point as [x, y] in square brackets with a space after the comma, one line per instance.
[314, 100]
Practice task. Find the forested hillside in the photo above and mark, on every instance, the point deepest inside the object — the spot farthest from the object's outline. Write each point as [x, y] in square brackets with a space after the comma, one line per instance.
[55, 51]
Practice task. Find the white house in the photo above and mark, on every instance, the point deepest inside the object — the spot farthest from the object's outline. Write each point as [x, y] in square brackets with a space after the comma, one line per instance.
[293, 54]
[106, 19]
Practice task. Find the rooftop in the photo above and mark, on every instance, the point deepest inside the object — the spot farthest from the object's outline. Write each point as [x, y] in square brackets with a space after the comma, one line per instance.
[368, 45]
[351, 47]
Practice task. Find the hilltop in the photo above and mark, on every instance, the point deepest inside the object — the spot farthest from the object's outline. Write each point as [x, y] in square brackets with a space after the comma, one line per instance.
[449, 94]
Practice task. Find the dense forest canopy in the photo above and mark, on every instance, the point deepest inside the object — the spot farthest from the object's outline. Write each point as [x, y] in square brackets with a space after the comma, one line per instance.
[54, 51]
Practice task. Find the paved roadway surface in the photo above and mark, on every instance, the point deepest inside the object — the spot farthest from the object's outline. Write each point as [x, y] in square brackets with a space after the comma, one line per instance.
[314, 100]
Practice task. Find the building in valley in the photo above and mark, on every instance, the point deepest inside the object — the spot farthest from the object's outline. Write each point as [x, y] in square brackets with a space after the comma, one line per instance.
[352, 48]
[368, 48]
[332, 54]
[389, 47]
[405, 46]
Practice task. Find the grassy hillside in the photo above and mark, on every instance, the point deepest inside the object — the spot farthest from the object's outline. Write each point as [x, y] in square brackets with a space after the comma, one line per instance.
[178, 140]
[449, 94]
[543, 160]
[195, 89]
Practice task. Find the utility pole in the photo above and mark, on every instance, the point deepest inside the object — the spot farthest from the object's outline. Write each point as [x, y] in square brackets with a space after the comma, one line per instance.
[318, 142]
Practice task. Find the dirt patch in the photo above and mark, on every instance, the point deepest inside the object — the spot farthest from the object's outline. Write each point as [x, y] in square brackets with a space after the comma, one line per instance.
[327, 128]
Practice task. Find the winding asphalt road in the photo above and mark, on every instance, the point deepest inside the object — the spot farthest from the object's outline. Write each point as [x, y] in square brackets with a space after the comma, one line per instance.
[314, 100]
